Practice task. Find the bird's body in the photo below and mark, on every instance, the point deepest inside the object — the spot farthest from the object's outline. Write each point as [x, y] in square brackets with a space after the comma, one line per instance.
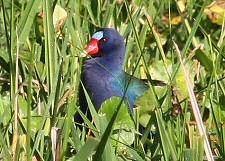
[103, 76]
[111, 84]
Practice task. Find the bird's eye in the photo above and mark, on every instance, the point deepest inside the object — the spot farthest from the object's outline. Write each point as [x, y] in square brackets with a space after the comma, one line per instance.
[104, 40]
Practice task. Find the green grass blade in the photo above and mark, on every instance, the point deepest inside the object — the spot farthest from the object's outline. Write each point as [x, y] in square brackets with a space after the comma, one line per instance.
[87, 150]
[194, 29]
[108, 153]
[105, 136]
[27, 18]
[92, 109]
[50, 53]
[6, 152]
[168, 148]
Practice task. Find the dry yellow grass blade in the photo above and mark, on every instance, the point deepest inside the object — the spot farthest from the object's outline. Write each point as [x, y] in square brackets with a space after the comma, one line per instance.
[195, 108]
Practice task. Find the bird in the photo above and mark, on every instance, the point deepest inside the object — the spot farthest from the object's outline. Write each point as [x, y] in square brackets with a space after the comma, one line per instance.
[103, 75]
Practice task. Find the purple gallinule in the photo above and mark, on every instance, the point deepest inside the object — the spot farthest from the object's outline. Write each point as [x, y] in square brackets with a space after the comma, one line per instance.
[103, 74]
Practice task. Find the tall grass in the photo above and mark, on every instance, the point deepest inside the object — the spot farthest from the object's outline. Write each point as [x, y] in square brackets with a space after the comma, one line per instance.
[40, 69]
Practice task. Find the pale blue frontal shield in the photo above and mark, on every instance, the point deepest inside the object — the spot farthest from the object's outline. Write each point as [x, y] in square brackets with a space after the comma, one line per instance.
[98, 35]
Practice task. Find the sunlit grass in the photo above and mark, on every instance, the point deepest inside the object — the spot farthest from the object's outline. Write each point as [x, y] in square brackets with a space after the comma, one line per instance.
[41, 69]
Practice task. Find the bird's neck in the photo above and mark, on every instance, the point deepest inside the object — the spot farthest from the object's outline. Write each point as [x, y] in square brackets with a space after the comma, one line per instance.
[112, 62]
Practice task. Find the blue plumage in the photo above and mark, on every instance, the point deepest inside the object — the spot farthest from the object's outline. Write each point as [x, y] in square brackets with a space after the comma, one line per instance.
[103, 76]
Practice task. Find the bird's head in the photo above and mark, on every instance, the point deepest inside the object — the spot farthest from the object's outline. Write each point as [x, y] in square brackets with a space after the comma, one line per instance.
[105, 42]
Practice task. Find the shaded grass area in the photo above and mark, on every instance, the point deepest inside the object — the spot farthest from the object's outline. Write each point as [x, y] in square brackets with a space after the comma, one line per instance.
[41, 62]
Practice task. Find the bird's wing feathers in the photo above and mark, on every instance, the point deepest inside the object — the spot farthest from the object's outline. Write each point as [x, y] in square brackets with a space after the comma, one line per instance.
[136, 88]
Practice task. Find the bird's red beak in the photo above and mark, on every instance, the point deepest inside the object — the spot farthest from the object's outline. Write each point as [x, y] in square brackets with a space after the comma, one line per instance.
[93, 47]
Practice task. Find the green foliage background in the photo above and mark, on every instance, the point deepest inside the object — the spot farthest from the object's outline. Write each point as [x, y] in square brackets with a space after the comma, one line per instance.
[40, 70]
